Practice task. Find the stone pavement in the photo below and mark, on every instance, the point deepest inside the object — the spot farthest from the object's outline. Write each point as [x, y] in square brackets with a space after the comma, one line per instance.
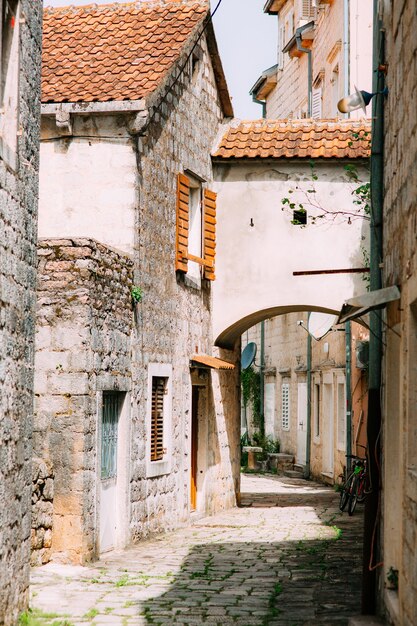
[287, 556]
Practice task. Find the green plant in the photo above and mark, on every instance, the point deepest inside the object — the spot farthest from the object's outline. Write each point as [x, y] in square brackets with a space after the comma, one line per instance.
[251, 393]
[137, 294]
[392, 577]
[92, 613]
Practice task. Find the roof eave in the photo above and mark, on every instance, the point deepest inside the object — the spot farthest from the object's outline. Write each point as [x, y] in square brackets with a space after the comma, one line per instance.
[219, 75]
[110, 106]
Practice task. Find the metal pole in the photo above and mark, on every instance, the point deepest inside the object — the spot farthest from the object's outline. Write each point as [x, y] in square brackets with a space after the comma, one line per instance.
[262, 375]
[375, 340]
[348, 344]
[308, 448]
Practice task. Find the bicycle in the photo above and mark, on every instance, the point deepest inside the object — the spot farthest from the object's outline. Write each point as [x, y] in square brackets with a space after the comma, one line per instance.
[354, 488]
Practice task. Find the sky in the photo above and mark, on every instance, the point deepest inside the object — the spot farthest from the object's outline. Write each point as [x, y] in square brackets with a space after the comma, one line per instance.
[247, 42]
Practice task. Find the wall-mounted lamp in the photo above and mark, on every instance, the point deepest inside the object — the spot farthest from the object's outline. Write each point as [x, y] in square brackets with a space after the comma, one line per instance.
[358, 100]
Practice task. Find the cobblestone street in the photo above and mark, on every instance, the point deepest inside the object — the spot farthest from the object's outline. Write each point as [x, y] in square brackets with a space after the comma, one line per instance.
[286, 556]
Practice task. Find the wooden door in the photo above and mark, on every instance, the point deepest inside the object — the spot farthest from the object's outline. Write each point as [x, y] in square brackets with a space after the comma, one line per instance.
[194, 447]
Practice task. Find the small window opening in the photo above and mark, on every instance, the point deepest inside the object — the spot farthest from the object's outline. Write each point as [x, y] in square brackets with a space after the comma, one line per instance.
[159, 389]
[299, 217]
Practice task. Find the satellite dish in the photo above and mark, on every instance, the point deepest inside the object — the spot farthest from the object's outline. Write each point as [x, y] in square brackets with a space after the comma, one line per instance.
[319, 324]
[248, 355]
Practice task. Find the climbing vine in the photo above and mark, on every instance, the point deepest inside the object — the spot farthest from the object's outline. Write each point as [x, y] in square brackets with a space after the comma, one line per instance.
[251, 393]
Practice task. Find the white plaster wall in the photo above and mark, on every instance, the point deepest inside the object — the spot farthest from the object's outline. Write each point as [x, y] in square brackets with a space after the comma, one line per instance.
[88, 185]
[254, 265]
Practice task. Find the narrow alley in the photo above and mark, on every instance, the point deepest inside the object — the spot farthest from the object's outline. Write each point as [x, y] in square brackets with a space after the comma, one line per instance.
[286, 556]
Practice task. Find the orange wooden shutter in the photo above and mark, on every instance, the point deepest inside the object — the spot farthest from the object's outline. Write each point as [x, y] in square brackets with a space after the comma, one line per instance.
[209, 232]
[157, 418]
[183, 203]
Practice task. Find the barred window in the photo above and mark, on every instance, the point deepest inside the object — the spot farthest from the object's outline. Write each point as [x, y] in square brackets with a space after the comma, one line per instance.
[285, 393]
[112, 403]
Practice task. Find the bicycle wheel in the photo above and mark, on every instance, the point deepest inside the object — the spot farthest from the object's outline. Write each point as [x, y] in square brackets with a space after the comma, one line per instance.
[353, 498]
[345, 493]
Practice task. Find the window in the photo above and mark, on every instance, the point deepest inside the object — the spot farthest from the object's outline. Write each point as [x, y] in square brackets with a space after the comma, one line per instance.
[112, 404]
[196, 228]
[281, 43]
[341, 415]
[159, 390]
[285, 394]
[299, 217]
[158, 427]
[335, 91]
[306, 10]
[316, 108]
[316, 400]
[9, 75]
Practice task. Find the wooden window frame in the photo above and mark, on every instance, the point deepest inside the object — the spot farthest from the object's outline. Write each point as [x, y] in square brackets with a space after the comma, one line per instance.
[159, 451]
[208, 231]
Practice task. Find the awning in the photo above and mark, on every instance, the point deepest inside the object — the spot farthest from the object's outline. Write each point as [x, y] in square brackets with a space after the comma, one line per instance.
[356, 307]
[206, 361]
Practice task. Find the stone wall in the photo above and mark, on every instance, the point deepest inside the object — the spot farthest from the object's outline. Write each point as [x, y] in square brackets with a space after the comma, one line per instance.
[400, 268]
[84, 322]
[18, 220]
[42, 511]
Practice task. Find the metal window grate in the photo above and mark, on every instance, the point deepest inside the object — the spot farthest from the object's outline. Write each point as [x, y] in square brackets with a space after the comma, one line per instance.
[159, 388]
[109, 430]
[285, 394]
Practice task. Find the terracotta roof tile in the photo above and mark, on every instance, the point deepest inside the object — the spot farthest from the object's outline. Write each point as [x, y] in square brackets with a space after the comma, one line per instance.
[114, 51]
[295, 139]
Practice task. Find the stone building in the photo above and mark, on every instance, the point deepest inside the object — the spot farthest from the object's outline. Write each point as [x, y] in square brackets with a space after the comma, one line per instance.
[19, 146]
[259, 166]
[397, 589]
[324, 50]
[136, 417]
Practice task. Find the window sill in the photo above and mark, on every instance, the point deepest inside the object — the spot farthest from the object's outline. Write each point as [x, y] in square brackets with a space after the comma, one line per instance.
[158, 468]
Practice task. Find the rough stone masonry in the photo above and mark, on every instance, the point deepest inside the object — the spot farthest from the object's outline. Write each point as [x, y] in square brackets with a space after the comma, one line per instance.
[18, 228]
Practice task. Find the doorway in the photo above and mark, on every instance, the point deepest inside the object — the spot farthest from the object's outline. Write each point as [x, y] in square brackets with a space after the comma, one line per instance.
[112, 468]
[194, 447]
[301, 423]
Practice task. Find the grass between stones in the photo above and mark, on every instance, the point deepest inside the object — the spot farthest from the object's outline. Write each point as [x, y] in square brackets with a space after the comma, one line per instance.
[35, 617]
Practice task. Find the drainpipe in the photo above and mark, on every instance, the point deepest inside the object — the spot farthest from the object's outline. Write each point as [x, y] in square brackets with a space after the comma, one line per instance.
[307, 51]
[371, 522]
[308, 447]
[263, 105]
[348, 344]
[346, 48]
[262, 381]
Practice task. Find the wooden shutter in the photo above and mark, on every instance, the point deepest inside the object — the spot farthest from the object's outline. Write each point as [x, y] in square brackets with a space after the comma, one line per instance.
[157, 418]
[183, 203]
[316, 104]
[307, 10]
[209, 232]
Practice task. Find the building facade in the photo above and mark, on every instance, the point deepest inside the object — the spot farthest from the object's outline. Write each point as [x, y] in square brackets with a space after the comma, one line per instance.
[397, 588]
[324, 50]
[19, 147]
[135, 415]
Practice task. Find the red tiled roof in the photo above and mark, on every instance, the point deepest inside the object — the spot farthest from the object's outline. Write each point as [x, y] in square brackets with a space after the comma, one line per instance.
[288, 139]
[114, 51]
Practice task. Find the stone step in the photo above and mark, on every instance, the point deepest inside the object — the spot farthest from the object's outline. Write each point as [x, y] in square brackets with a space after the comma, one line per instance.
[293, 474]
[299, 468]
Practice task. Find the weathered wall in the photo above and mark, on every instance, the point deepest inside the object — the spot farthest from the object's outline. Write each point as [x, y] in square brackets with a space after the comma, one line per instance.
[18, 218]
[88, 182]
[400, 268]
[84, 322]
